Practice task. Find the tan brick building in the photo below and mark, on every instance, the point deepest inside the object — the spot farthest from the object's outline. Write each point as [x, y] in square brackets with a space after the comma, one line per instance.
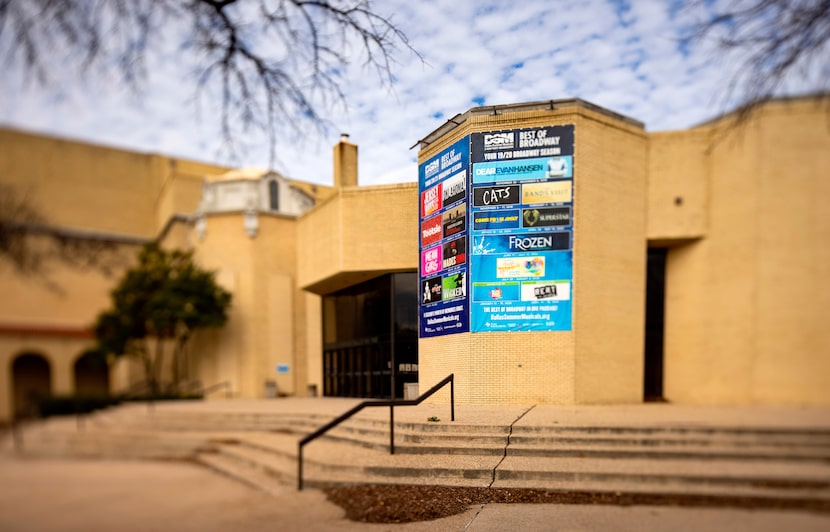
[722, 229]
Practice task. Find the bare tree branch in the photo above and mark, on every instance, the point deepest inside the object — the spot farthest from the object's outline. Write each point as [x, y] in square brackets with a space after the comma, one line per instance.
[276, 66]
[31, 245]
[777, 41]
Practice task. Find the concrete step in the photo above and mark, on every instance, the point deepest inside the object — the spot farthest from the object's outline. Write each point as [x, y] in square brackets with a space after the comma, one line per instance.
[675, 441]
[780, 468]
[320, 470]
[705, 452]
[407, 442]
[112, 444]
[186, 421]
[331, 455]
[427, 433]
[250, 474]
[760, 479]
[261, 449]
[430, 438]
[167, 416]
[370, 429]
[665, 487]
[765, 478]
[327, 462]
[715, 448]
[672, 428]
[456, 442]
[705, 442]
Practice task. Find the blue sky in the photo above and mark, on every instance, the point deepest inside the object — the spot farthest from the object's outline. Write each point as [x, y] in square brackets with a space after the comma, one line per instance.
[626, 56]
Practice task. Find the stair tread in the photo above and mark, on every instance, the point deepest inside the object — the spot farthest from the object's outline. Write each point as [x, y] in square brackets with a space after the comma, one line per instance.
[726, 468]
[666, 488]
[703, 451]
[244, 473]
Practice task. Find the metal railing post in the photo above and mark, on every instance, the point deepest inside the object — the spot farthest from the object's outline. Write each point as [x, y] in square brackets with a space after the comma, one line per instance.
[300, 468]
[17, 434]
[392, 427]
[452, 396]
[450, 379]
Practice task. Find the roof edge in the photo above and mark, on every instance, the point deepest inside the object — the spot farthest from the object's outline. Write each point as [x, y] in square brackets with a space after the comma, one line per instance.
[551, 105]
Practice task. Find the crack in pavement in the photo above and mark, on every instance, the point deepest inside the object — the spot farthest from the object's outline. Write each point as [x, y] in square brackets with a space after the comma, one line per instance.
[493, 479]
[509, 434]
[470, 522]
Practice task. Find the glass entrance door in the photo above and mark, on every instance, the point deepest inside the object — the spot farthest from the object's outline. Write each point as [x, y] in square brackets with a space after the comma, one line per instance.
[363, 327]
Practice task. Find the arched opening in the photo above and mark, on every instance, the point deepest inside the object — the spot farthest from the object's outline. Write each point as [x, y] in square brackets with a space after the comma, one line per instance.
[92, 375]
[31, 379]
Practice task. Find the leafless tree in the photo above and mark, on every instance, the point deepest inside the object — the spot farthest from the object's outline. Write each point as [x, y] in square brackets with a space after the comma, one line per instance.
[276, 65]
[30, 245]
[775, 42]
[16, 215]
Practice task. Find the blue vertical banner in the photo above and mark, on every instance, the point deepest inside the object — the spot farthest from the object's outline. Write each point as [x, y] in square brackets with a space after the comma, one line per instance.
[521, 229]
[443, 241]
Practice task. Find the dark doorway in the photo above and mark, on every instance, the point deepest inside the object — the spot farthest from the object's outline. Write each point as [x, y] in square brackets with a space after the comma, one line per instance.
[362, 324]
[31, 380]
[92, 376]
[655, 322]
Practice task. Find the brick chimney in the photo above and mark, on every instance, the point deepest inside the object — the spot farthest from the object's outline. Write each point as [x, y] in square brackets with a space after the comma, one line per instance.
[345, 163]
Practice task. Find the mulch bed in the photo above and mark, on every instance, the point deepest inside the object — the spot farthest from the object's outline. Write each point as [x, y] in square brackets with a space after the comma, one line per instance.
[394, 503]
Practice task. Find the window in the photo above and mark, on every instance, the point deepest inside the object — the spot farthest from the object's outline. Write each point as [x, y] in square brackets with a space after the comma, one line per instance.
[274, 195]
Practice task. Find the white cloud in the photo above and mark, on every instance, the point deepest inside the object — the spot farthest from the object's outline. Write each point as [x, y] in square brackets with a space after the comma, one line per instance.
[496, 52]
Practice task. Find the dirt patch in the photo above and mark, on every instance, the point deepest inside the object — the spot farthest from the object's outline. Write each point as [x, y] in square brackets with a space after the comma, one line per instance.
[393, 503]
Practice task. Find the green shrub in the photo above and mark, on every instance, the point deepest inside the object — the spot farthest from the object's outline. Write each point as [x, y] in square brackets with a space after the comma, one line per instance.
[164, 397]
[64, 405]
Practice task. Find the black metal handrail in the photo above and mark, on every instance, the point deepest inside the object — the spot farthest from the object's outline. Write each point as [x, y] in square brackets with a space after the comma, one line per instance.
[207, 390]
[135, 388]
[449, 379]
[194, 387]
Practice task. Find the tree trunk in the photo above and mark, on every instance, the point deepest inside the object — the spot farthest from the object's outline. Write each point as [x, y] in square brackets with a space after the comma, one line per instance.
[176, 360]
[147, 362]
[155, 382]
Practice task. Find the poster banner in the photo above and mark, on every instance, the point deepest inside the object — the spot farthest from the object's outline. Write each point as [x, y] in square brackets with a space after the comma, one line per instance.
[528, 292]
[528, 143]
[496, 196]
[512, 243]
[455, 220]
[431, 231]
[551, 192]
[521, 170]
[443, 191]
[503, 219]
[521, 229]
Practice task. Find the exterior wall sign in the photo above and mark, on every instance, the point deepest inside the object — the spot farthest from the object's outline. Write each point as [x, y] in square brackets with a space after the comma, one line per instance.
[442, 184]
[509, 195]
[521, 229]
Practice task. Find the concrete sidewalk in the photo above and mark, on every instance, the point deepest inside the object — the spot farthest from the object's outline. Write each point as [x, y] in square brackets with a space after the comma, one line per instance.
[133, 496]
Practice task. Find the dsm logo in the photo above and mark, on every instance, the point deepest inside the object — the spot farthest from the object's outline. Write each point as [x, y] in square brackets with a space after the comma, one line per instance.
[498, 141]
